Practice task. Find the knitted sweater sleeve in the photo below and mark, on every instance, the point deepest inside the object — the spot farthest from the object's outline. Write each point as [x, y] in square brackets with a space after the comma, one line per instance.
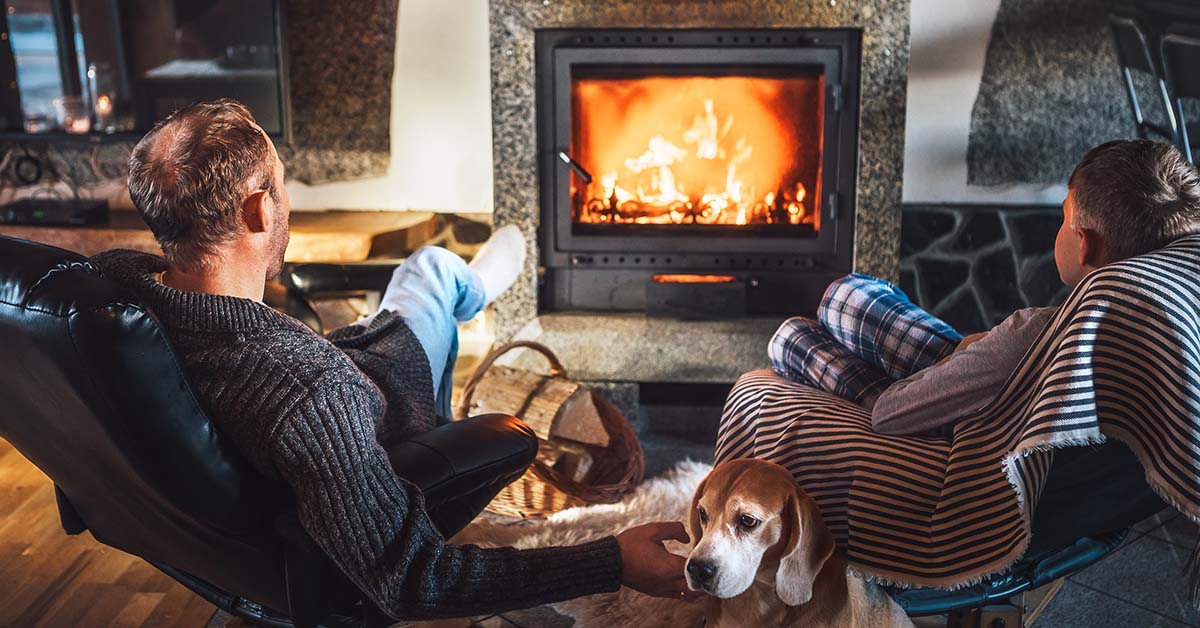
[374, 526]
[389, 354]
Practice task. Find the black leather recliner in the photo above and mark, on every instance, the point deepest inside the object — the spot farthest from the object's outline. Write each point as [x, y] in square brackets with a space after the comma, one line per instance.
[92, 393]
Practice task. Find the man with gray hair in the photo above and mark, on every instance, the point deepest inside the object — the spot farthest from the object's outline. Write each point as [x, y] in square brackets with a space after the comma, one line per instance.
[317, 412]
[871, 345]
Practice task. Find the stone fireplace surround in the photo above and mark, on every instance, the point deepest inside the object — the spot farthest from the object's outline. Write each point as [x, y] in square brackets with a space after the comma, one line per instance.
[629, 348]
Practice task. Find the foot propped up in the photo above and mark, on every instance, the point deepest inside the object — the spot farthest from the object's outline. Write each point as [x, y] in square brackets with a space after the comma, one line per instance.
[500, 261]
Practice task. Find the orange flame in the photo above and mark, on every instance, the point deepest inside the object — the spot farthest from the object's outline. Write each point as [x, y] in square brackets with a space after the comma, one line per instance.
[694, 278]
[695, 150]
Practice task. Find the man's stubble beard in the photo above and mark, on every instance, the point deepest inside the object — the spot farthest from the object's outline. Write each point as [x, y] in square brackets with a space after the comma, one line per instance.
[279, 244]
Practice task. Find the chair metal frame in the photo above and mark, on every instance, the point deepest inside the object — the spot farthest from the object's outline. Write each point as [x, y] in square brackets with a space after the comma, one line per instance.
[1175, 100]
[1116, 23]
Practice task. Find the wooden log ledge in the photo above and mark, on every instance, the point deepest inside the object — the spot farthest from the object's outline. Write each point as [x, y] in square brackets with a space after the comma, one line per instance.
[322, 236]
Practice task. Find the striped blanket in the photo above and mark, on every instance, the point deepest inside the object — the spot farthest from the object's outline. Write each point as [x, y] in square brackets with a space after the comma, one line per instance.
[1120, 360]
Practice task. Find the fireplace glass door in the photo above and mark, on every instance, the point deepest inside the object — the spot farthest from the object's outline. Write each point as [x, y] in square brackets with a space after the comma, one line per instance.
[669, 149]
[699, 151]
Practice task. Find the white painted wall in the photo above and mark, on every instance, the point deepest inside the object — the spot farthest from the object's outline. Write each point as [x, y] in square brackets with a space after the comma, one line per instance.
[441, 126]
[949, 42]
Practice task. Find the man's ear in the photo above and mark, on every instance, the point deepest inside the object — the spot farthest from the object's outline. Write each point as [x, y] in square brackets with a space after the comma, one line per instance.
[694, 529]
[1091, 247]
[256, 212]
[809, 545]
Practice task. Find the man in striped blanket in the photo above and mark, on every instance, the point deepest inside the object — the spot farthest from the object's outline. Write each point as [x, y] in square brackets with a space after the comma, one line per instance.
[916, 374]
[1107, 396]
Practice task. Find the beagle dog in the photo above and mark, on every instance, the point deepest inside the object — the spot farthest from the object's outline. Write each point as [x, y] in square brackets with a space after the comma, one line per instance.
[765, 556]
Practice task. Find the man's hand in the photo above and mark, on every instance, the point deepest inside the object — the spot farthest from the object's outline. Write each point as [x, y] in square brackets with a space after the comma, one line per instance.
[648, 567]
[970, 339]
[967, 341]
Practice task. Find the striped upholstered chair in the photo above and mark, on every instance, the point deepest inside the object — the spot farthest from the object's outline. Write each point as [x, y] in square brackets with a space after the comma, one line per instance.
[1095, 425]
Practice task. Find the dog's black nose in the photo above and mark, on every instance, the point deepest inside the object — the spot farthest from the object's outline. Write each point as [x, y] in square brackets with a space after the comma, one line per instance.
[702, 572]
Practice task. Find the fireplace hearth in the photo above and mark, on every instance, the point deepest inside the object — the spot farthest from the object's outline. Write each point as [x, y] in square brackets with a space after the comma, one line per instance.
[694, 152]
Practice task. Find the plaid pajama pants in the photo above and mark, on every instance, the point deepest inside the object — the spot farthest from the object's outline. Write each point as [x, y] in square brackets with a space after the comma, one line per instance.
[867, 334]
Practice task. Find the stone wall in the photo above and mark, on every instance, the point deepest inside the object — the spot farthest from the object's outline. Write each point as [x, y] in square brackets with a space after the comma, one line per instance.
[974, 265]
[342, 56]
[1051, 89]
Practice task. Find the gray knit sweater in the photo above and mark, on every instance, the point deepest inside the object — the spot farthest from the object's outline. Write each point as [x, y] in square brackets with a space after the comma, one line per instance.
[316, 413]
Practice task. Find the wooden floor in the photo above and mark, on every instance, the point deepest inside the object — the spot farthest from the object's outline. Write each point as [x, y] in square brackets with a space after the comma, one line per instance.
[50, 579]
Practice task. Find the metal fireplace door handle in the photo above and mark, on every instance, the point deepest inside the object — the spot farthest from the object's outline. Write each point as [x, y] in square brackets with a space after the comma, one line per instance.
[576, 166]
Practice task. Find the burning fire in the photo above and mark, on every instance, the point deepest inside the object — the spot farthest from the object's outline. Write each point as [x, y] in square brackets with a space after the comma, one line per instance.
[690, 150]
[677, 278]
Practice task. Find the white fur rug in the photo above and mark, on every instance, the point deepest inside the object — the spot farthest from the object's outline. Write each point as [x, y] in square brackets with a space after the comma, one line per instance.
[666, 498]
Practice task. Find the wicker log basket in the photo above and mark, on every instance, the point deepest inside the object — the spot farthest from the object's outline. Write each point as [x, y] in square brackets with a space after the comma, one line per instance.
[614, 469]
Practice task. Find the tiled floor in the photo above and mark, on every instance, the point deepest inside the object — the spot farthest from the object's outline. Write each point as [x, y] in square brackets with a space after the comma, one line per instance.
[1141, 584]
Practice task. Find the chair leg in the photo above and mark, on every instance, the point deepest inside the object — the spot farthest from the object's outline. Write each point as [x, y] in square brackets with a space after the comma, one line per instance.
[1039, 599]
[1010, 614]
[375, 618]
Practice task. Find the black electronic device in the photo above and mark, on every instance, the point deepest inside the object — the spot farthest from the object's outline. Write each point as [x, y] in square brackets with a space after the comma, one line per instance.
[53, 211]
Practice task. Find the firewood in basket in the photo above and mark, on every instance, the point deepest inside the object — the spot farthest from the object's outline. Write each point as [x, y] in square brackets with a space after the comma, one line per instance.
[568, 458]
[555, 407]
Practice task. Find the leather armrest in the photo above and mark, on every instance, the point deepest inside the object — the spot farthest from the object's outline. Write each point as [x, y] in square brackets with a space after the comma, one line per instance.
[464, 456]
[312, 277]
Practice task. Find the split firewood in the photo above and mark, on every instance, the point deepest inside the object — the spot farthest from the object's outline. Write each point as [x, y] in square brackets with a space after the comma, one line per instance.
[554, 407]
[570, 459]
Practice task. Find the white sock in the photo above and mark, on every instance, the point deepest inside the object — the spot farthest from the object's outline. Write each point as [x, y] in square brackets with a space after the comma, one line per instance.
[500, 261]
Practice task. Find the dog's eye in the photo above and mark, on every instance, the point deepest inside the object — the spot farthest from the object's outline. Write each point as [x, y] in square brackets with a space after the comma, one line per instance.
[703, 516]
[747, 522]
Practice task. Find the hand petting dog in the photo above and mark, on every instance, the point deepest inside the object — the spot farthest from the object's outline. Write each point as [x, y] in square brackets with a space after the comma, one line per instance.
[647, 566]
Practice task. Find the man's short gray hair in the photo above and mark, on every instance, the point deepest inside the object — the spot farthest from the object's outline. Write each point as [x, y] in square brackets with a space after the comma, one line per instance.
[1138, 195]
[188, 175]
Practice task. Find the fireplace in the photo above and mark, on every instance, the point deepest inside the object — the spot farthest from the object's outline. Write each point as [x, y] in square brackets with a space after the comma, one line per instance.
[699, 158]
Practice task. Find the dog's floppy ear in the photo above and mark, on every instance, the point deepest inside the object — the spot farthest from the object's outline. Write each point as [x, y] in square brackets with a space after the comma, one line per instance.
[809, 545]
[694, 529]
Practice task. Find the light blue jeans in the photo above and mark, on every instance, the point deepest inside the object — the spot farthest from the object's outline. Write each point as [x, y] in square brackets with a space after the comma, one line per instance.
[433, 291]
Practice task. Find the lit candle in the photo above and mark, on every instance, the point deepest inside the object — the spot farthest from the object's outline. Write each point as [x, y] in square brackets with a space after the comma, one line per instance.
[72, 114]
[104, 113]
